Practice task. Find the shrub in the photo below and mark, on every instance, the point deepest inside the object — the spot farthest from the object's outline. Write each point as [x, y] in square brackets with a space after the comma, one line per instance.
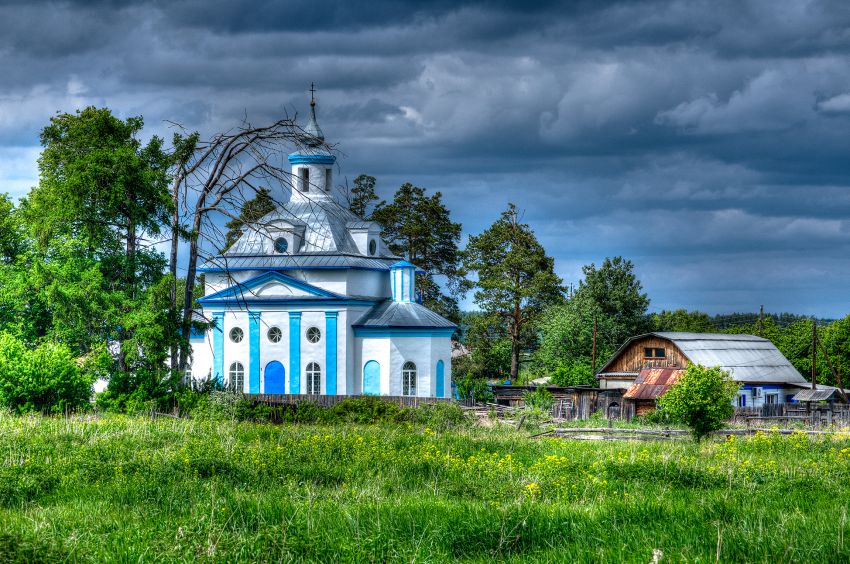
[46, 379]
[701, 399]
[539, 400]
[474, 388]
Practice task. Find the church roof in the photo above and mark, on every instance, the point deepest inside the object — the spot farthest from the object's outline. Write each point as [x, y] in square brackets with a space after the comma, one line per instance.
[390, 314]
[296, 262]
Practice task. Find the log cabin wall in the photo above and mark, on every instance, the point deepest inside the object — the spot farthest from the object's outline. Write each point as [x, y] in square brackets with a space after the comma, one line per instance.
[633, 359]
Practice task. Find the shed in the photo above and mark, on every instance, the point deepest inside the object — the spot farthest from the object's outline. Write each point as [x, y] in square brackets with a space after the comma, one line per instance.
[651, 384]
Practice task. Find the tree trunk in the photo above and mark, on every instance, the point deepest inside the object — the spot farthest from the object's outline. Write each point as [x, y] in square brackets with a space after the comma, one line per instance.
[190, 288]
[172, 260]
[515, 333]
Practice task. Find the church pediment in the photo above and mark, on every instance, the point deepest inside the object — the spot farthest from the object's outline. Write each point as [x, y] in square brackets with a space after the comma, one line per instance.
[271, 286]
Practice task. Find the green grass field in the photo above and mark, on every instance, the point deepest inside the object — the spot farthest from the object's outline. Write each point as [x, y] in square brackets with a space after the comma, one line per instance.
[127, 489]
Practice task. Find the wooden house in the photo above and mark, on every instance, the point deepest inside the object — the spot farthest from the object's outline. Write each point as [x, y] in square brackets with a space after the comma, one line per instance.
[766, 376]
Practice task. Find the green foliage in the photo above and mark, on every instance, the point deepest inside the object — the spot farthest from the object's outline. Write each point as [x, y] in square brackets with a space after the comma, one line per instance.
[573, 373]
[419, 227]
[362, 196]
[540, 399]
[252, 211]
[474, 388]
[516, 279]
[701, 399]
[682, 320]
[489, 346]
[617, 292]
[46, 379]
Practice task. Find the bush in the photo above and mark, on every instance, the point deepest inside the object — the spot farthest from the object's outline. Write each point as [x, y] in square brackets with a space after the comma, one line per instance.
[46, 379]
[701, 399]
[539, 400]
[477, 388]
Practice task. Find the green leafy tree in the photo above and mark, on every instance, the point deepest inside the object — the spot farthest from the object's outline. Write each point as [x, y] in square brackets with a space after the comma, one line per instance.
[45, 379]
[486, 338]
[419, 227]
[618, 293]
[701, 399]
[566, 340]
[516, 279]
[362, 196]
[682, 320]
[252, 211]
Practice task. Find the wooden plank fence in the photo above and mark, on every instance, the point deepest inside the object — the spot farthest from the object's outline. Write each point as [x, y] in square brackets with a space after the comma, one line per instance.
[814, 415]
[329, 400]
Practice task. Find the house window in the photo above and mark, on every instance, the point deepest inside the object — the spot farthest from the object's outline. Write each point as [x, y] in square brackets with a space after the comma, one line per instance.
[304, 179]
[654, 353]
[275, 334]
[314, 379]
[742, 400]
[408, 379]
[771, 399]
[236, 335]
[328, 180]
[280, 245]
[236, 377]
[373, 247]
[314, 335]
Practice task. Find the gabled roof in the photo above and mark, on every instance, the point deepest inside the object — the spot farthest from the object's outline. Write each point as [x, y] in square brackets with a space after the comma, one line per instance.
[652, 383]
[747, 357]
[249, 289]
[407, 315]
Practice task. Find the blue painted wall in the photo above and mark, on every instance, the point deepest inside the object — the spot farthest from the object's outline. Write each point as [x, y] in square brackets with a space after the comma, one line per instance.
[275, 378]
[330, 350]
[218, 346]
[441, 379]
[372, 378]
[254, 352]
[294, 352]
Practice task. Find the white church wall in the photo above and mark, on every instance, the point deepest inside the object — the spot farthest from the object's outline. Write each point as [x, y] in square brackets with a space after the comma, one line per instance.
[369, 283]
[270, 351]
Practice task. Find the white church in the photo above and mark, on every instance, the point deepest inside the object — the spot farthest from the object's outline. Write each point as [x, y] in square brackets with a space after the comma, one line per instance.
[311, 301]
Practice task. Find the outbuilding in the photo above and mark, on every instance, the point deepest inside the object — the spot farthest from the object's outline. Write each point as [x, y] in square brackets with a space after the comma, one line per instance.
[765, 375]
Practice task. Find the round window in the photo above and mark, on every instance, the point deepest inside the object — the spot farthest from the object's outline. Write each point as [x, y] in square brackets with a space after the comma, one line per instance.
[373, 247]
[236, 335]
[280, 245]
[314, 335]
[275, 334]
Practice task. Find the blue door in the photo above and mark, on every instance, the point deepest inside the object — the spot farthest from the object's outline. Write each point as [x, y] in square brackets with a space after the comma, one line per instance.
[372, 378]
[441, 379]
[275, 378]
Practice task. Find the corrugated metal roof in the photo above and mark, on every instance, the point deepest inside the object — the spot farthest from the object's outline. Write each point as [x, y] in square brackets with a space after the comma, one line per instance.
[403, 314]
[653, 383]
[747, 357]
[823, 393]
[295, 262]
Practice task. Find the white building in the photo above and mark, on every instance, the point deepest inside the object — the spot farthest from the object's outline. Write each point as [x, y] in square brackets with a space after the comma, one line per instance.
[311, 301]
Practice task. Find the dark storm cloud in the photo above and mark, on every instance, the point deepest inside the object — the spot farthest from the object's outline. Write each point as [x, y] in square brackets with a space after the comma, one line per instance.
[705, 139]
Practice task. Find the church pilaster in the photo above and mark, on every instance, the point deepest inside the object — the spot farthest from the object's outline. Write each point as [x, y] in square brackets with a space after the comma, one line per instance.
[330, 350]
[294, 352]
[254, 352]
[218, 346]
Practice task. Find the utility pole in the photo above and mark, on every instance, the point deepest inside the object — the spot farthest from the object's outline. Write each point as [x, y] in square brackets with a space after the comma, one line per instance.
[814, 353]
[761, 319]
[594, 346]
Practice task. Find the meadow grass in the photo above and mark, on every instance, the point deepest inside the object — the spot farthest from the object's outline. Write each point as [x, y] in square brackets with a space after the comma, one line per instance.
[118, 488]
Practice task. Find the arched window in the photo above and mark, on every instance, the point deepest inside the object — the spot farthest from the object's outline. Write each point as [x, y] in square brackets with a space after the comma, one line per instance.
[236, 377]
[314, 379]
[408, 379]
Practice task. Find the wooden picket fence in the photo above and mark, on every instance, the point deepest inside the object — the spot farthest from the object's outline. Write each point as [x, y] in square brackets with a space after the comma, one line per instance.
[329, 400]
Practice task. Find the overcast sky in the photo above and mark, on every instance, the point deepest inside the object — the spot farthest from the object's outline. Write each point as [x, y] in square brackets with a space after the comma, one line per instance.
[709, 142]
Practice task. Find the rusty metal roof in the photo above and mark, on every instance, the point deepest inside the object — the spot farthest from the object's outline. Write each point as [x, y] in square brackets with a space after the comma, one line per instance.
[653, 383]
